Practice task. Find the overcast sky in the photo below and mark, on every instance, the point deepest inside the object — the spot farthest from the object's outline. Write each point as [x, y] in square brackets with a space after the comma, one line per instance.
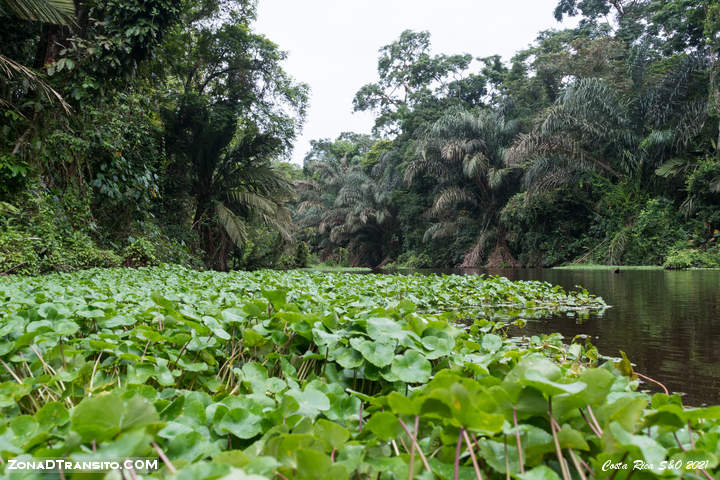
[333, 44]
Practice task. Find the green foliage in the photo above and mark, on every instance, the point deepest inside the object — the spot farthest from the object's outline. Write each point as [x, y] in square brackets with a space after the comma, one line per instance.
[77, 252]
[409, 77]
[703, 186]
[140, 253]
[223, 130]
[464, 152]
[693, 258]
[291, 373]
[17, 254]
[605, 122]
[413, 260]
[372, 157]
[345, 206]
[167, 122]
[13, 174]
[544, 228]
[58, 232]
[302, 255]
[654, 231]
[153, 132]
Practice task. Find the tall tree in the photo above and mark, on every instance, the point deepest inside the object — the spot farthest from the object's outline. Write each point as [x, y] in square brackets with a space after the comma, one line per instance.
[409, 77]
[236, 110]
[464, 152]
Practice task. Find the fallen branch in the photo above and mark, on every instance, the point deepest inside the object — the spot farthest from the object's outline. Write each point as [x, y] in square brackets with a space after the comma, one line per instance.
[14, 267]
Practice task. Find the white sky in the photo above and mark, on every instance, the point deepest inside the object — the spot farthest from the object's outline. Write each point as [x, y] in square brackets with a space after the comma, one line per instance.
[333, 44]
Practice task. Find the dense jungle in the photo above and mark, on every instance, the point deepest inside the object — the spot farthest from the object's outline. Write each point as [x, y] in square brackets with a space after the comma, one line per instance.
[144, 132]
[175, 289]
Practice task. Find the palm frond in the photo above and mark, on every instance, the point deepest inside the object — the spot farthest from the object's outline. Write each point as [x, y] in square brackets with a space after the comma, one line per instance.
[450, 198]
[60, 12]
[671, 167]
[618, 245]
[235, 227]
[281, 222]
[476, 165]
[440, 230]
[252, 201]
[10, 68]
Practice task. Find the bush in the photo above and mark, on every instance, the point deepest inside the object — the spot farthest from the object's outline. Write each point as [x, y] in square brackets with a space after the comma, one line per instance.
[657, 228]
[413, 260]
[140, 253]
[302, 255]
[693, 258]
[17, 254]
[703, 187]
[75, 252]
[170, 244]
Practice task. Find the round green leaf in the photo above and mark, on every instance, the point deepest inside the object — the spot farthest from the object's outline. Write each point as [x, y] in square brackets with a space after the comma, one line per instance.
[411, 367]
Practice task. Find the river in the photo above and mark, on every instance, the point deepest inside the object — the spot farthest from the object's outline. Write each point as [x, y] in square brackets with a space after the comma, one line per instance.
[668, 322]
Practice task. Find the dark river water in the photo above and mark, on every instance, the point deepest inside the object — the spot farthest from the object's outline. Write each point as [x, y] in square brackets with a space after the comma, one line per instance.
[668, 322]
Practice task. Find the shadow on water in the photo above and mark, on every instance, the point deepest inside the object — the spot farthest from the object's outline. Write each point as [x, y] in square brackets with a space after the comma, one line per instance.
[668, 322]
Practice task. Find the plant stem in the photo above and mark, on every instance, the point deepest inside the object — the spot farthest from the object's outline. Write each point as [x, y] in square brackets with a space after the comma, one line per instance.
[411, 470]
[164, 458]
[558, 450]
[519, 443]
[472, 454]
[597, 424]
[415, 442]
[507, 460]
[92, 376]
[180, 355]
[457, 457]
[576, 462]
[590, 424]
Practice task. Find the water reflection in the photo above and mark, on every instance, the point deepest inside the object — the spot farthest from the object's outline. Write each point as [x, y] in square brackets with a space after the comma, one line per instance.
[668, 322]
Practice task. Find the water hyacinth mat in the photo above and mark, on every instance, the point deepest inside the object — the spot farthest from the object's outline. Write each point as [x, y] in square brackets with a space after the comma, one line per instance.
[308, 375]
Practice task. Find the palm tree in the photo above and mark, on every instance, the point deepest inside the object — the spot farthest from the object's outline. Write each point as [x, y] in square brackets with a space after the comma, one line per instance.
[595, 129]
[653, 130]
[588, 130]
[238, 192]
[58, 12]
[464, 152]
[226, 171]
[316, 195]
[361, 219]
[349, 208]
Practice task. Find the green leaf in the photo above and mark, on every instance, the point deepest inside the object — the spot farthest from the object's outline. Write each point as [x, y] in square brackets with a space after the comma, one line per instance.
[98, 418]
[240, 423]
[698, 457]
[332, 433]
[311, 401]
[346, 357]
[491, 342]
[385, 425]
[411, 367]
[379, 354]
[616, 438]
[539, 473]
[52, 414]
[277, 298]
[536, 379]
[385, 329]
[104, 416]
